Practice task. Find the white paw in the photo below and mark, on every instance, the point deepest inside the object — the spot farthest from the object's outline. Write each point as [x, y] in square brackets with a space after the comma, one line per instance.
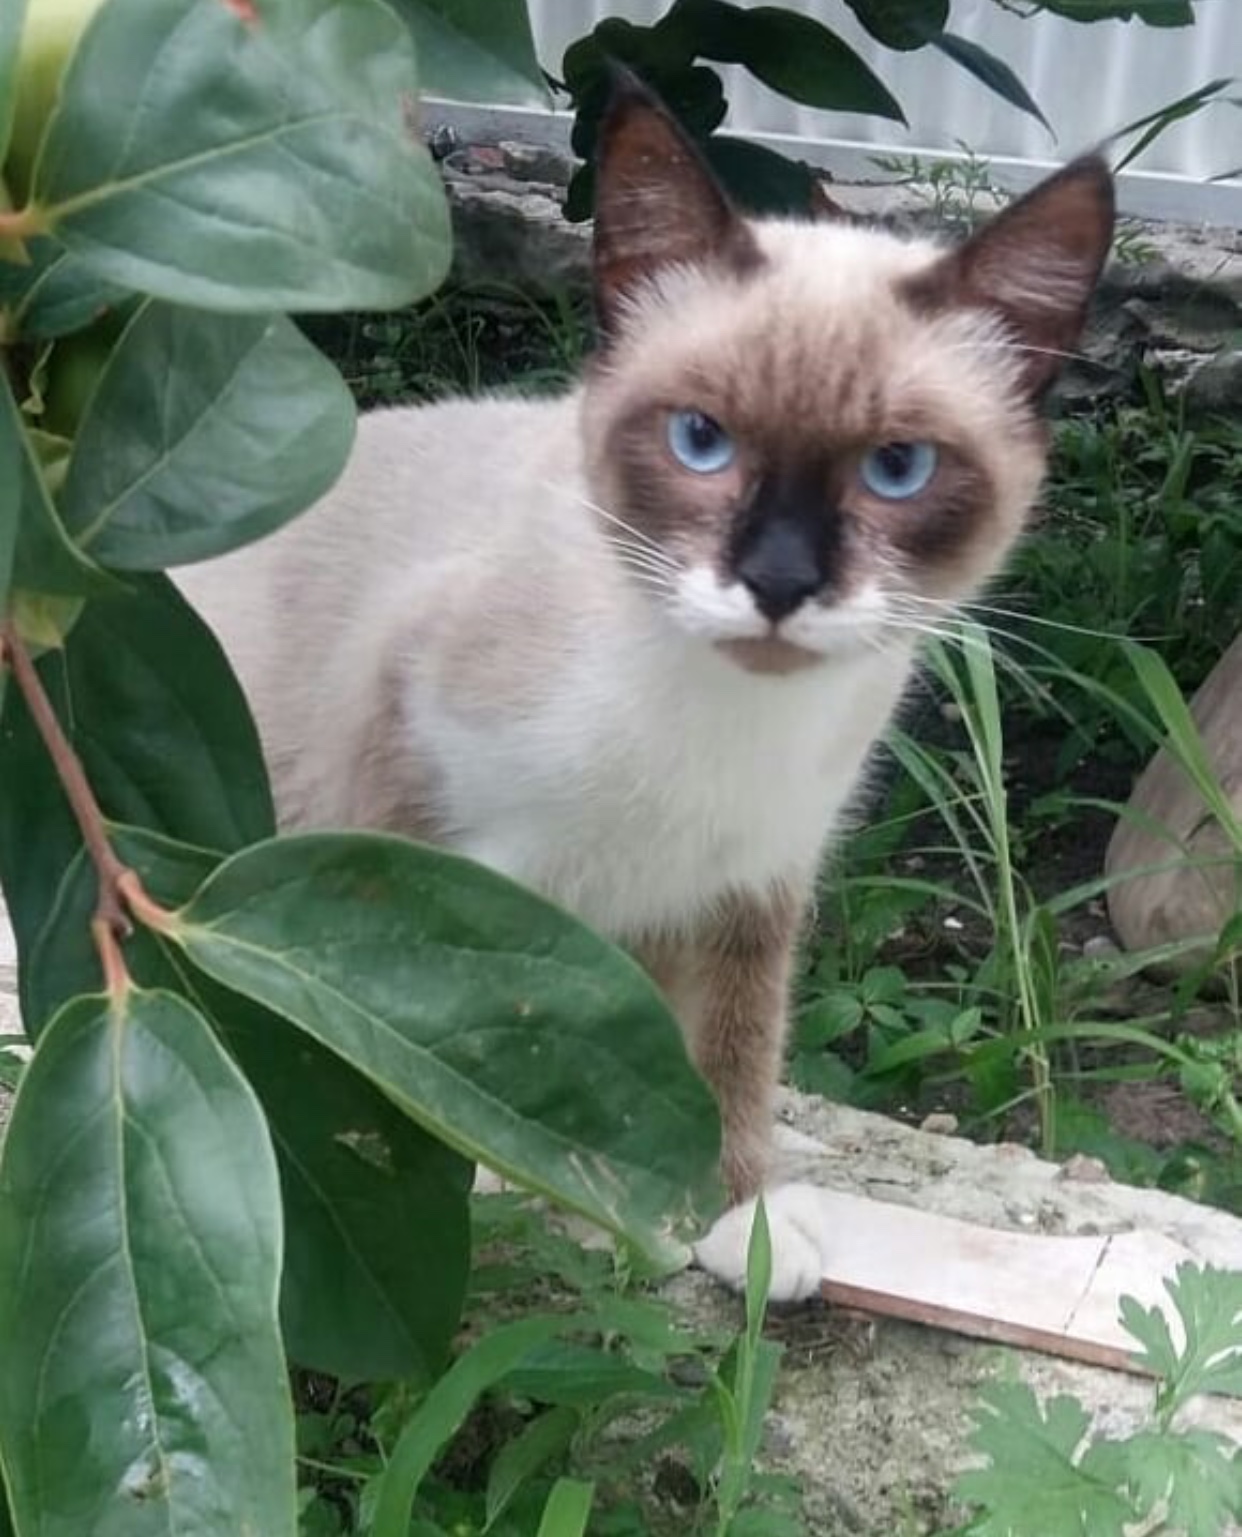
[797, 1231]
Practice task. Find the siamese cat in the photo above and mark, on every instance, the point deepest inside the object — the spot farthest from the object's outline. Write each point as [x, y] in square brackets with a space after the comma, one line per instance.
[633, 646]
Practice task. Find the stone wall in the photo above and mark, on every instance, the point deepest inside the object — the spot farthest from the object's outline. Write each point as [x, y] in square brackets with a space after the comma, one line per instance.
[1171, 300]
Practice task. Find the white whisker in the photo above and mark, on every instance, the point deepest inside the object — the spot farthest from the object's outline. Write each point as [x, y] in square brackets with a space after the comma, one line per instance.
[610, 517]
[1000, 344]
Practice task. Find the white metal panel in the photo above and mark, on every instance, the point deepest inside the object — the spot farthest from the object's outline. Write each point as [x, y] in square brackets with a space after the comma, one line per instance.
[1089, 80]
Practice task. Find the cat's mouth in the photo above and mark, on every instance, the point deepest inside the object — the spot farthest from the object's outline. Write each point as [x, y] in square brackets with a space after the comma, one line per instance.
[770, 655]
[726, 615]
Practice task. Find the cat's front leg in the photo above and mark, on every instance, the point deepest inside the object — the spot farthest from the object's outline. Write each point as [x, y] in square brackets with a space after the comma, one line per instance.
[729, 986]
[735, 1019]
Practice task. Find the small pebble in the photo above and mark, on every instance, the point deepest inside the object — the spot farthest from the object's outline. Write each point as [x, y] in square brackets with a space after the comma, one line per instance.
[1100, 947]
[1083, 1170]
[939, 1123]
[442, 140]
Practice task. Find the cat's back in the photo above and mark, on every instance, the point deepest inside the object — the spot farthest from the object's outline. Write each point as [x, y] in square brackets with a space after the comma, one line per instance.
[425, 487]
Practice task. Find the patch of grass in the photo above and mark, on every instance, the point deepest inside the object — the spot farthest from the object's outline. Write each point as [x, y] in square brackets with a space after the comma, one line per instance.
[463, 341]
[1142, 539]
[612, 1392]
[959, 193]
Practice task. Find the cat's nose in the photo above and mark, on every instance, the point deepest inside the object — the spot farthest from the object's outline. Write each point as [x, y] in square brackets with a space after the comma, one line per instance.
[780, 572]
[780, 563]
[778, 594]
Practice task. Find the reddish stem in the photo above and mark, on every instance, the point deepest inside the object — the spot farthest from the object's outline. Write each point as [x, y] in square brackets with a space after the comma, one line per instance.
[118, 885]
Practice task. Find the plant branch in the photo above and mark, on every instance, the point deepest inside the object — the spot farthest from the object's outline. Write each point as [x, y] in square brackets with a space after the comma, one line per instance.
[23, 223]
[119, 886]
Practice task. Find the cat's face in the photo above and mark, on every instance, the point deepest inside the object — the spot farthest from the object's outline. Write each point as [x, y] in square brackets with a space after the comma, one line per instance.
[804, 438]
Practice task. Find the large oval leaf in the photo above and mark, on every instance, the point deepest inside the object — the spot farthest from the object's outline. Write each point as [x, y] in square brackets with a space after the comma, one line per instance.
[63, 962]
[55, 293]
[1156, 13]
[497, 1021]
[476, 50]
[144, 1389]
[902, 24]
[206, 431]
[13, 470]
[794, 54]
[149, 701]
[248, 156]
[40, 558]
[377, 1221]
[993, 72]
[377, 1211]
[12, 17]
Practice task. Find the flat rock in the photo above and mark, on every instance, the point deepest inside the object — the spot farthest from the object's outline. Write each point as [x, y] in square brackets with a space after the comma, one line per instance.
[1168, 823]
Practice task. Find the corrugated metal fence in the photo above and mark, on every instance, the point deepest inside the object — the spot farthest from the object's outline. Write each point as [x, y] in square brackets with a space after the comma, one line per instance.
[1088, 79]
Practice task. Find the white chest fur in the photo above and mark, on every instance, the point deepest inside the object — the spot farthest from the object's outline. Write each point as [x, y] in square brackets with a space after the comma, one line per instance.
[660, 777]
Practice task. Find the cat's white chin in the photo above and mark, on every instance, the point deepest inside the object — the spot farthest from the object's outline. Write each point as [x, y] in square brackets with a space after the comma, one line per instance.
[796, 1232]
[769, 655]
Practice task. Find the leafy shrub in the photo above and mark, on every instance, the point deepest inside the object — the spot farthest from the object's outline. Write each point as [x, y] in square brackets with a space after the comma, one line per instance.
[235, 1143]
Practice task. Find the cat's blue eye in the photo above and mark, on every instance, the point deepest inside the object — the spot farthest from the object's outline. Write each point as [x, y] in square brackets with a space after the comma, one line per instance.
[699, 442]
[898, 471]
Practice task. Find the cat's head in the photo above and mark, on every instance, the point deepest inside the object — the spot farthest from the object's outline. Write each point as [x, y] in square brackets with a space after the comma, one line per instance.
[803, 437]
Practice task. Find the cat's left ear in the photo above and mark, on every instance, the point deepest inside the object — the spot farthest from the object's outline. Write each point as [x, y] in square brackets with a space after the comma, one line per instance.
[657, 202]
[1036, 264]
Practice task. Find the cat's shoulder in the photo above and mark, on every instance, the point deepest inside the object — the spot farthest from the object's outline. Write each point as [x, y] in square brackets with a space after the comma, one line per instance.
[457, 422]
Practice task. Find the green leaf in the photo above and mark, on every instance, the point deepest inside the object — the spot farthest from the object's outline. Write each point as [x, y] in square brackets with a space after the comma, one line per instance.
[793, 54]
[991, 71]
[581, 1376]
[1153, 124]
[1155, 13]
[1209, 1303]
[1037, 1481]
[55, 294]
[758, 1273]
[149, 702]
[519, 1459]
[760, 180]
[41, 559]
[492, 1018]
[377, 1211]
[206, 431]
[476, 50]
[827, 1019]
[1193, 1478]
[14, 470]
[144, 1389]
[901, 24]
[377, 1234]
[568, 1509]
[12, 18]
[63, 963]
[1184, 742]
[442, 1412]
[251, 156]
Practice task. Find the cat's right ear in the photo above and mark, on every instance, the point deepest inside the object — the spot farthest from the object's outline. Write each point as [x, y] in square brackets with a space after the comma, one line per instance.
[657, 203]
[1035, 265]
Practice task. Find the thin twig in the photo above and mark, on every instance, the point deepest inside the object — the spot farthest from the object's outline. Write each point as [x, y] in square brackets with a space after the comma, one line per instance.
[23, 223]
[118, 885]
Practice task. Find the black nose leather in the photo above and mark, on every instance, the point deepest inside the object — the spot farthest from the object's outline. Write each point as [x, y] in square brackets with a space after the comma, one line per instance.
[780, 568]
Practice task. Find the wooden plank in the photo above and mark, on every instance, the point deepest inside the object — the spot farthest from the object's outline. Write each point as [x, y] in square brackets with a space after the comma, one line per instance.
[1045, 1292]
